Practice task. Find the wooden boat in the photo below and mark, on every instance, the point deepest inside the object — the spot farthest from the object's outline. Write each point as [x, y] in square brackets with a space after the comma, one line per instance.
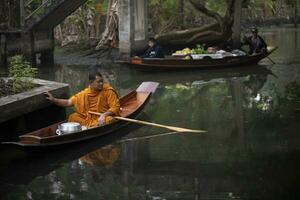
[179, 63]
[131, 105]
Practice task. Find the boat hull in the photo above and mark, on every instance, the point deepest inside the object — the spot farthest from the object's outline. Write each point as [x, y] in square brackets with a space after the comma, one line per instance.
[152, 64]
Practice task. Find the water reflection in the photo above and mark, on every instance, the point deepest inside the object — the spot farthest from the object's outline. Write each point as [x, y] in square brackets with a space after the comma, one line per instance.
[50, 172]
[288, 43]
[106, 156]
[251, 150]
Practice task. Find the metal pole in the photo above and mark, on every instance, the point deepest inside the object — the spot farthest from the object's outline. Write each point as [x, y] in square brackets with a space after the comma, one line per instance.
[3, 50]
[237, 24]
[22, 14]
[9, 20]
[296, 13]
[146, 20]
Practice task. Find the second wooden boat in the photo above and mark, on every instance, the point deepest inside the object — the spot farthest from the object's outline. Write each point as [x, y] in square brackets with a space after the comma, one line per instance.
[173, 63]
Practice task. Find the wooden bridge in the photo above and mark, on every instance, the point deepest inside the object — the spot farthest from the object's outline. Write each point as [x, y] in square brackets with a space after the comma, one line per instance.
[34, 34]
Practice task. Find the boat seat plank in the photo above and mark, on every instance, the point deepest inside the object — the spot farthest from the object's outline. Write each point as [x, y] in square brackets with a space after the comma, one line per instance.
[29, 139]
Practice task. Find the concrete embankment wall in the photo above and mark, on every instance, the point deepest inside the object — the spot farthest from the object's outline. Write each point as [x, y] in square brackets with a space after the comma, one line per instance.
[28, 111]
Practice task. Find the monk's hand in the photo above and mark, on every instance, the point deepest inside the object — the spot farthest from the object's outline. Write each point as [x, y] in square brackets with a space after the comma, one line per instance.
[49, 96]
[102, 119]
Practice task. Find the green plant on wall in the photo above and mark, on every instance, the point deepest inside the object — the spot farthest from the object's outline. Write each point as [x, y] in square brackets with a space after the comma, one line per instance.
[22, 74]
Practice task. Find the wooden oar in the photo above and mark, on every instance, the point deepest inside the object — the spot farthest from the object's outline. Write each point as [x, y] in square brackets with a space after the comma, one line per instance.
[271, 60]
[147, 137]
[173, 128]
[271, 50]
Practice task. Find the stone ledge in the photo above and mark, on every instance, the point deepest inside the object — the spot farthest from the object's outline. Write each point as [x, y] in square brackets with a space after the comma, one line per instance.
[22, 103]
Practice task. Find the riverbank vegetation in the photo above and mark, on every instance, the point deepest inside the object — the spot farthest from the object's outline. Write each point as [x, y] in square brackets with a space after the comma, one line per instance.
[202, 21]
[95, 24]
[21, 74]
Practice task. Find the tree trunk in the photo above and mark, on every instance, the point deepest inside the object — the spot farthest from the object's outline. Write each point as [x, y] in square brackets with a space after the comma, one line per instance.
[211, 34]
[110, 37]
[236, 36]
[295, 13]
[188, 36]
[58, 33]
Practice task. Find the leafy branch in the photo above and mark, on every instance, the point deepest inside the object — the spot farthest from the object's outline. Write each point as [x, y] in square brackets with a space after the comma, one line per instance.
[22, 74]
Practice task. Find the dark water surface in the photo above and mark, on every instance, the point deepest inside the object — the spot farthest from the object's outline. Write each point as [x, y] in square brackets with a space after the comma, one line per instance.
[251, 149]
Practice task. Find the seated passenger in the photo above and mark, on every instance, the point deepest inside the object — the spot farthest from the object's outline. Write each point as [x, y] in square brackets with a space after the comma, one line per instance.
[212, 49]
[153, 51]
[255, 42]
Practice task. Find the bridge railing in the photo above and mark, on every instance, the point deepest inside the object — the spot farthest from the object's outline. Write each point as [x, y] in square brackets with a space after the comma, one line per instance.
[36, 9]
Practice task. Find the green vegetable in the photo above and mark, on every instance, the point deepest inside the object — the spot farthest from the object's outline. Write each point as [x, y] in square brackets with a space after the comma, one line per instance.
[199, 49]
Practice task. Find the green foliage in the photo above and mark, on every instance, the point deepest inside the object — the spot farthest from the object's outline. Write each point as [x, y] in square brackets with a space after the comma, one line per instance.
[22, 74]
[219, 6]
[165, 4]
[95, 3]
[10, 13]
[167, 15]
[164, 14]
[270, 8]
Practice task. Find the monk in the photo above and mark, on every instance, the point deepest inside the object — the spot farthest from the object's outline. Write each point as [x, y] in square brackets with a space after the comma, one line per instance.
[98, 97]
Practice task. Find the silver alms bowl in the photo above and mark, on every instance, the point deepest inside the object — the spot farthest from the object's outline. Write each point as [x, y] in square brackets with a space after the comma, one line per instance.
[69, 127]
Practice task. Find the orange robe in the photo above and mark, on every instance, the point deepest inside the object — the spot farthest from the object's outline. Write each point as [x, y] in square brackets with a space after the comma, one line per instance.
[88, 100]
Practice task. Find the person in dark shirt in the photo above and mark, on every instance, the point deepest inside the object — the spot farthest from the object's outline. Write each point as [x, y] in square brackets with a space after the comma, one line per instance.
[256, 43]
[153, 51]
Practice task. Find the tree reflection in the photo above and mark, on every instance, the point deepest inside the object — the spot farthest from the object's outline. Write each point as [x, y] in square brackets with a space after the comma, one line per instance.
[287, 102]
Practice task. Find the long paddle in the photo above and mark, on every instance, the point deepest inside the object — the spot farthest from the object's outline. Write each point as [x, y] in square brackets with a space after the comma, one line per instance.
[173, 128]
[148, 137]
[271, 60]
[271, 50]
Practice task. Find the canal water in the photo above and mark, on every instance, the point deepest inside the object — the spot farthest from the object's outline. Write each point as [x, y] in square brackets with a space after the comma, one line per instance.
[251, 149]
